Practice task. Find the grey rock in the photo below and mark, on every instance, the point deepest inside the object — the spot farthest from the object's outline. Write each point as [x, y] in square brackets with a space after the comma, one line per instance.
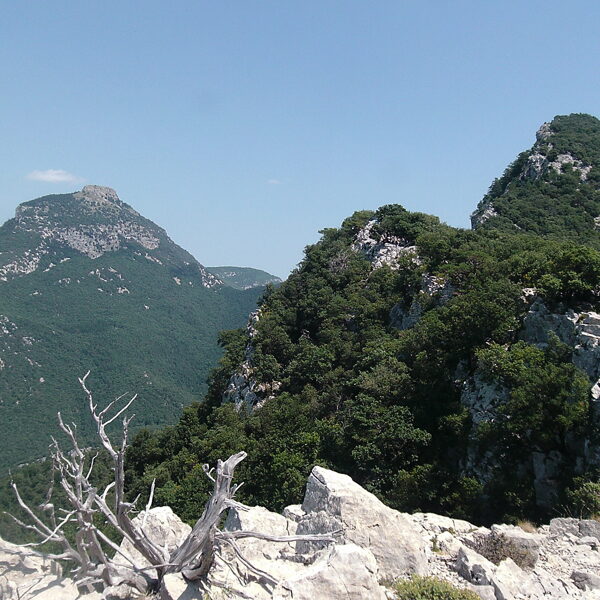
[585, 581]
[335, 502]
[120, 592]
[564, 526]
[175, 587]
[508, 541]
[345, 572]
[589, 528]
[485, 592]
[588, 540]
[384, 250]
[473, 567]
[163, 527]
[293, 512]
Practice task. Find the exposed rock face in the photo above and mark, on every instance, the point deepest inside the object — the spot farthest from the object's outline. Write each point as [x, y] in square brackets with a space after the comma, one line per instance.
[333, 502]
[579, 329]
[243, 389]
[435, 291]
[483, 213]
[385, 250]
[538, 165]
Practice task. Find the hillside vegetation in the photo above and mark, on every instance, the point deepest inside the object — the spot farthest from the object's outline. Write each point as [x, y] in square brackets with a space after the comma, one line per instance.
[401, 352]
[446, 370]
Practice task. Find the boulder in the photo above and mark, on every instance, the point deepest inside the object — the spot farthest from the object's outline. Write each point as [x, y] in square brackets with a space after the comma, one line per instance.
[175, 587]
[508, 541]
[509, 580]
[585, 581]
[261, 520]
[589, 528]
[345, 572]
[163, 527]
[335, 503]
[473, 567]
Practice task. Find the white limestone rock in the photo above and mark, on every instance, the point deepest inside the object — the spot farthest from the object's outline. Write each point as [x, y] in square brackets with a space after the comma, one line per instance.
[334, 502]
[345, 572]
[163, 527]
[385, 250]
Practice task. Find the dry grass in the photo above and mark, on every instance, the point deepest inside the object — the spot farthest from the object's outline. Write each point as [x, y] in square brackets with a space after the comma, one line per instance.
[527, 526]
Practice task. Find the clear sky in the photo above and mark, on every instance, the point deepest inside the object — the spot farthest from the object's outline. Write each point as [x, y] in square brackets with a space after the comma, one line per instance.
[243, 127]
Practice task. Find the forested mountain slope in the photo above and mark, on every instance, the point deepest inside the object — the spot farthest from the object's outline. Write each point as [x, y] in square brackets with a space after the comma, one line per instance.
[446, 370]
[552, 189]
[243, 278]
[87, 283]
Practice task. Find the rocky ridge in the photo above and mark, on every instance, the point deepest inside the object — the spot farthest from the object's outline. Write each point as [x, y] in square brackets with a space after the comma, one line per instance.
[374, 546]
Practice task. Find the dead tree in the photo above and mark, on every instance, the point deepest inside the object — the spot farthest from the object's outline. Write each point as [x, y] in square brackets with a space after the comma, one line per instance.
[89, 551]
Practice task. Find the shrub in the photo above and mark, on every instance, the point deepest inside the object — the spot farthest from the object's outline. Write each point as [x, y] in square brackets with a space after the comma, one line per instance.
[527, 526]
[431, 588]
[584, 499]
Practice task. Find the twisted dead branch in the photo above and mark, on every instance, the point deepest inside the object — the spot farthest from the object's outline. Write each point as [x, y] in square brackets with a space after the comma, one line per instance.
[90, 549]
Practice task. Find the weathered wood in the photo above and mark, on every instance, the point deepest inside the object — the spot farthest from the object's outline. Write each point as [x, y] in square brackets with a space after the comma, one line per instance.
[194, 557]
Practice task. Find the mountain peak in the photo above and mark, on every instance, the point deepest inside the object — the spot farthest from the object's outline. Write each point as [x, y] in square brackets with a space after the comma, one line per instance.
[99, 193]
[554, 187]
[91, 222]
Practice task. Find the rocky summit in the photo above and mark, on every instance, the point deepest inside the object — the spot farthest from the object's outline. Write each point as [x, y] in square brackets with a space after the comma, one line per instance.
[87, 283]
[375, 548]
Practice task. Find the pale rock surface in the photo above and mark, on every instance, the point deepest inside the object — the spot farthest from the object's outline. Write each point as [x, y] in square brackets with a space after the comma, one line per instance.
[342, 572]
[26, 575]
[334, 502]
[163, 527]
[374, 544]
[384, 250]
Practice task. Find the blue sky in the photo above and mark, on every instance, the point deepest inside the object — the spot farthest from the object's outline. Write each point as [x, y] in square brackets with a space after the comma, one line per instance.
[243, 127]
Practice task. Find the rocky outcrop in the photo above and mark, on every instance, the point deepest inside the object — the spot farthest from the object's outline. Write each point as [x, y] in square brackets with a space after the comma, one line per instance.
[435, 291]
[374, 546]
[538, 164]
[242, 388]
[383, 250]
[483, 213]
[335, 503]
[579, 329]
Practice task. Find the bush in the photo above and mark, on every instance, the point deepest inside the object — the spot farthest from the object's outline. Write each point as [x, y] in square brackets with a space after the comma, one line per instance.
[584, 500]
[431, 588]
